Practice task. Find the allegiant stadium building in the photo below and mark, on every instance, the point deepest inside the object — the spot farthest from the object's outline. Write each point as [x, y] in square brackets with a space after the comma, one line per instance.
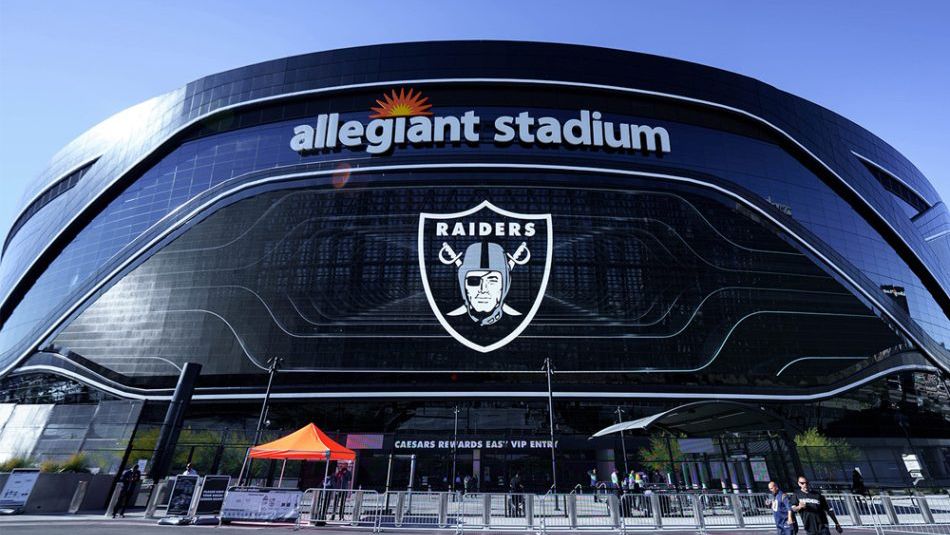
[413, 229]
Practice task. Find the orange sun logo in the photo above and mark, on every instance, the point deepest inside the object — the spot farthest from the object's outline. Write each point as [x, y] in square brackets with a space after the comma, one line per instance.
[401, 104]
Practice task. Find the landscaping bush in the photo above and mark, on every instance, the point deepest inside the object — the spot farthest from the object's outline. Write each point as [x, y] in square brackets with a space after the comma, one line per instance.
[16, 462]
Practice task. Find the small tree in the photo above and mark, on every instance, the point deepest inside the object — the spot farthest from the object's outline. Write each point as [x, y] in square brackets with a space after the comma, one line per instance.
[657, 455]
[825, 454]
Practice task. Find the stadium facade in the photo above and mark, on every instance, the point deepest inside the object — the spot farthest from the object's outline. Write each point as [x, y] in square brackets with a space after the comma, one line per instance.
[414, 228]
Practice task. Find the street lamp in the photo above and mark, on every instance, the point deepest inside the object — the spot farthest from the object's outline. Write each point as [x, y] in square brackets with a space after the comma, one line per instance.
[548, 371]
[273, 368]
[623, 443]
[455, 445]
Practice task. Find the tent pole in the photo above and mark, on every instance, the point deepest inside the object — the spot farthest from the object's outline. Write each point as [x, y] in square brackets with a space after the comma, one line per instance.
[326, 471]
[281, 478]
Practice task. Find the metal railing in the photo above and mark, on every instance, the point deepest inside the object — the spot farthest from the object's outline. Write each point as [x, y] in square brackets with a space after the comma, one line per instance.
[649, 511]
[913, 514]
[338, 507]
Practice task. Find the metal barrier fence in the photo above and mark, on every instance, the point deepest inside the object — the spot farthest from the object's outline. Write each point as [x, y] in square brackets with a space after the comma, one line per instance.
[703, 513]
[355, 508]
[915, 514]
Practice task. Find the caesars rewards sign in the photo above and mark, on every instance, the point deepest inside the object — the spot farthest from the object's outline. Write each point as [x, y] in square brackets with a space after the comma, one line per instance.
[484, 270]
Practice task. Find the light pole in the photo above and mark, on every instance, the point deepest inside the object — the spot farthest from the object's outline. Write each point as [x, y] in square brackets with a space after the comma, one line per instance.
[272, 372]
[548, 371]
[623, 443]
[455, 445]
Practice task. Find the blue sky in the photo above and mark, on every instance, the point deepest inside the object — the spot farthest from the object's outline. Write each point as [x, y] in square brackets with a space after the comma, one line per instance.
[65, 66]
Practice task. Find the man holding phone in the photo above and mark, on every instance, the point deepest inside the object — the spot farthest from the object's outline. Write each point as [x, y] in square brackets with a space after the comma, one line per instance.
[813, 509]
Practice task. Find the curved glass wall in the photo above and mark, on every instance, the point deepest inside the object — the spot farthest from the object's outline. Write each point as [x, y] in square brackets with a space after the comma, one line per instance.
[670, 281]
[739, 156]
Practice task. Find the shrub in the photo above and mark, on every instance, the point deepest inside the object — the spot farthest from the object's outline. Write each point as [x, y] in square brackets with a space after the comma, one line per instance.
[50, 467]
[16, 462]
[77, 462]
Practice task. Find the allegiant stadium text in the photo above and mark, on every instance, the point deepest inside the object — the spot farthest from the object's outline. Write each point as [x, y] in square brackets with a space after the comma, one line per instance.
[379, 136]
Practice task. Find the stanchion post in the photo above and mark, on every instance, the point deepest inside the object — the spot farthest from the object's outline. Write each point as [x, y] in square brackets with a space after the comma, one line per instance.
[76, 503]
[657, 513]
[157, 490]
[114, 500]
[737, 510]
[852, 506]
[924, 507]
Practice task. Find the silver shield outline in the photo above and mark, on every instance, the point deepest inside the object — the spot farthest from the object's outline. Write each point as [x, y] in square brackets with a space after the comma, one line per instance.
[423, 216]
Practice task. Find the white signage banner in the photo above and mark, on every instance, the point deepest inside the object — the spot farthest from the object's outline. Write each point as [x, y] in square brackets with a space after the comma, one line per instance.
[17, 489]
[264, 504]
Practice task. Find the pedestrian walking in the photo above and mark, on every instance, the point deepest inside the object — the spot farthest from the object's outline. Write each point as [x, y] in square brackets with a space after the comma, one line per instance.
[781, 510]
[341, 482]
[517, 499]
[592, 474]
[129, 478]
[615, 483]
[813, 509]
[857, 482]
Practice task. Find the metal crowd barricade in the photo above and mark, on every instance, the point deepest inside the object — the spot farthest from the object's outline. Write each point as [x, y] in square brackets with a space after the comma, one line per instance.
[407, 509]
[911, 514]
[510, 512]
[852, 510]
[551, 513]
[702, 512]
[340, 507]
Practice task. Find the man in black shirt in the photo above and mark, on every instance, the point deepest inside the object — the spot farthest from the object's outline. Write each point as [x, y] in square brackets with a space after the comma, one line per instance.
[813, 509]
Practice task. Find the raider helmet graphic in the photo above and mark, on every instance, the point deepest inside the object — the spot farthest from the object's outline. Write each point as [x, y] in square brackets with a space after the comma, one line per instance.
[471, 292]
[484, 279]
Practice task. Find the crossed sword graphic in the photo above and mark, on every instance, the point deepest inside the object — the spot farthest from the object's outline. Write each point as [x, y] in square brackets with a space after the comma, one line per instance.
[448, 256]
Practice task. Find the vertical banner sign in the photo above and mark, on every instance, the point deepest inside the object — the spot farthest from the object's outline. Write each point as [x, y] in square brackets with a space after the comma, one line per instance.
[183, 491]
[212, 495]
[17, 489]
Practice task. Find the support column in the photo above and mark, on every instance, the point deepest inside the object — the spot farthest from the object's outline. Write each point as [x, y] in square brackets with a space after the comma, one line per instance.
[687, 481]
[171, 427]
[694, 475]
[706, 470]
[733, 474]
[747, 473]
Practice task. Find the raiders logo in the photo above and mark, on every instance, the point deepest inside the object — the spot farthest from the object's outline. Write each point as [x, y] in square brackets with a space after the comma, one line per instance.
[485, 271]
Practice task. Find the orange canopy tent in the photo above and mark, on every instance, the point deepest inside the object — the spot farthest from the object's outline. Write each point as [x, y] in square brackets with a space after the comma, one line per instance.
[308, 443]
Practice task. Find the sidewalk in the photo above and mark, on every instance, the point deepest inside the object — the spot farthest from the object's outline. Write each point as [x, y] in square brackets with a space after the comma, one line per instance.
[97, 524]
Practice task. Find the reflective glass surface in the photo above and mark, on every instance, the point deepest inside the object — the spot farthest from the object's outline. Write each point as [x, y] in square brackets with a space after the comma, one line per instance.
[227, 149]
[650, 281]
